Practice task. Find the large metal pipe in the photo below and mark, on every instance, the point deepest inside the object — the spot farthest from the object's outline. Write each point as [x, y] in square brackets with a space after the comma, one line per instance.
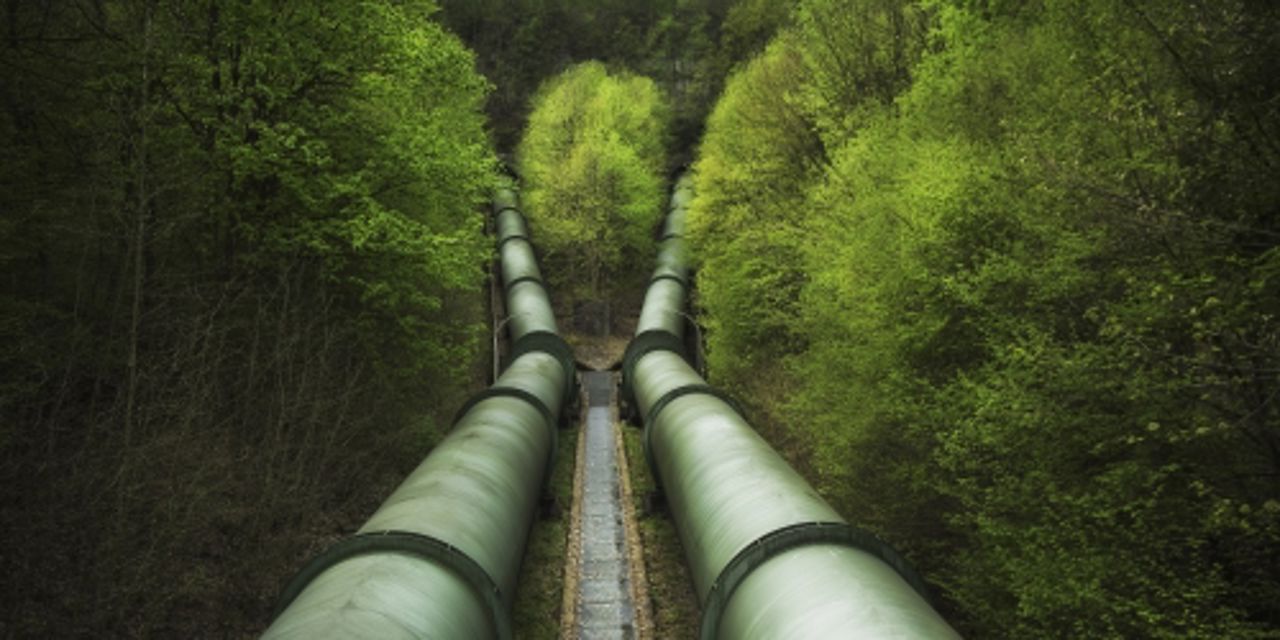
[439, 558]
[769, 558]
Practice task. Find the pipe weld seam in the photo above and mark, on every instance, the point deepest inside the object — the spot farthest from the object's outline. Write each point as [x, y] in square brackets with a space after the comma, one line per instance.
[414, 544]
[520, 220]
[512, 392]
[642, 344]
[516, 281]
[515, 236]
[668, 276]
[554, 345]
[793, 536]
[661, 403]
[666, 398]
[509, 392]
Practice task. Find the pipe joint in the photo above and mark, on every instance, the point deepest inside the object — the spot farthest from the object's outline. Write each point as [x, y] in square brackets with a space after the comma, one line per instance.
[553, 344]
[515, 236]
[534, 279]
[420, 546]
[652, 340]
[706, 389]
[669, 276]
[778, 541]
[511, 392]
[661, 403]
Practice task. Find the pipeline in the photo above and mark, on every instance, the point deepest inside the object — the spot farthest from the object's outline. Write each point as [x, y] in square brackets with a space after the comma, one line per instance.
[769, 558]
[439, 558]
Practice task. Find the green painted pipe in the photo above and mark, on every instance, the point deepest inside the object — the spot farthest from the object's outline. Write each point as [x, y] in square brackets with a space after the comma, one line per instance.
[439, 558]
[769, 557]
[662, 317]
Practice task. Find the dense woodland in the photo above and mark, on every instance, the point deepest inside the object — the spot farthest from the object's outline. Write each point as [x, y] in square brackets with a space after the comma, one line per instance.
[242, 277]
[1000, 277]
[1005, 276]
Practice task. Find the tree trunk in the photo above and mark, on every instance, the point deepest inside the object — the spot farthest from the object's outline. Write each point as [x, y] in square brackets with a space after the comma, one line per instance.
[140, 228]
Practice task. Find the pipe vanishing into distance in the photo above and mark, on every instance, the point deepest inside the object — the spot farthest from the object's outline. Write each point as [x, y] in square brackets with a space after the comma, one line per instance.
[769, 558]
[439, 558]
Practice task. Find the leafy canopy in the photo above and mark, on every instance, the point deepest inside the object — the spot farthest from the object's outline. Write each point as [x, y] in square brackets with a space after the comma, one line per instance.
[593, 159]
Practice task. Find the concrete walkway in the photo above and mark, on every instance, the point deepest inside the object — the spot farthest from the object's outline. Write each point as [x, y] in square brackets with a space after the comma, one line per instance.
[604, 606]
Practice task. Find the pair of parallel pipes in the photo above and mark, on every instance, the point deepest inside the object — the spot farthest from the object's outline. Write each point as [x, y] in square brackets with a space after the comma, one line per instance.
[769, 558]
[439, 558]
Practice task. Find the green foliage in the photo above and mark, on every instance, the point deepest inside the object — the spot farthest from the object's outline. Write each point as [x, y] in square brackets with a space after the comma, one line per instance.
[356, 178]
[758, 153]
[750, 24]
[1024, 298]
[686, 46]
[243, 257]
[593, 160]
[859, 56]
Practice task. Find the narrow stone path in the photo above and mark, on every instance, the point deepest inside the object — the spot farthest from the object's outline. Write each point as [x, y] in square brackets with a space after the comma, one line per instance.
[604, 604]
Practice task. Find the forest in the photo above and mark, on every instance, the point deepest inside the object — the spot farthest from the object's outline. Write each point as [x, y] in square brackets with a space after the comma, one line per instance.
[1000, 278]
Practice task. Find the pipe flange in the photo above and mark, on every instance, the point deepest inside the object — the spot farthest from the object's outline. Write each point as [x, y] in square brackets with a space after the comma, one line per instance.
[555, 345]
[512, 392]
[512, 210]
[410, 543]
[661, 403]
[666, 398]
[646, 342]
[521, 394]
[515, 236]
[669, 276]
[535, 279]
[760, 550]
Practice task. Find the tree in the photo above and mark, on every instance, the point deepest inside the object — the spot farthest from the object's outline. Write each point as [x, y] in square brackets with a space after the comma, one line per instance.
[242, 252]
[593, 160]
[1032, 256]
[745, 223]
[686, 46]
